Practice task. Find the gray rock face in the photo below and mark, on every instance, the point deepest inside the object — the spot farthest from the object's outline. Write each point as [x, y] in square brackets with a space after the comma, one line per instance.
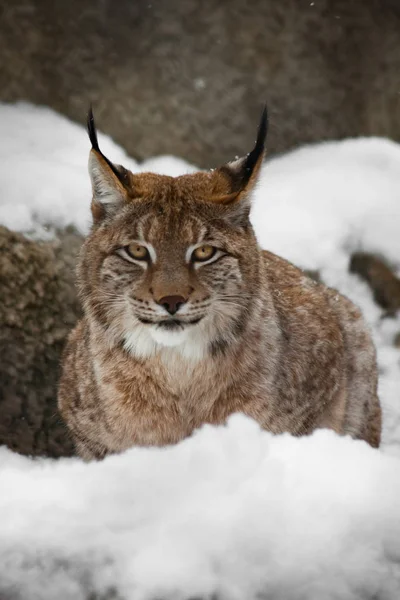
[189, 77]
[37, 310]
[381, 278]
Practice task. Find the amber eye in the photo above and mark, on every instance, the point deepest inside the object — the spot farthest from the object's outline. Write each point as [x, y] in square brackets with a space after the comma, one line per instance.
[137, 251]
[203, 253]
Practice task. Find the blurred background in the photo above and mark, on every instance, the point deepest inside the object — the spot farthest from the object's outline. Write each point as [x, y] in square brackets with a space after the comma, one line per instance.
[181, 77]
[188, 77]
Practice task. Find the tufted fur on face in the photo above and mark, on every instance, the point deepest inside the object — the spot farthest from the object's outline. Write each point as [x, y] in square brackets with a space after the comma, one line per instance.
[173, 223]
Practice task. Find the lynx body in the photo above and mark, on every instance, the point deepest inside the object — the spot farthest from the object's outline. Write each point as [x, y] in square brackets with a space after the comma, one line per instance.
[186, 320]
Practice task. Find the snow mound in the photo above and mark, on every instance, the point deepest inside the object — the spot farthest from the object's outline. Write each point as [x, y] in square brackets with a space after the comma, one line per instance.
[317, 203]
[43, 168]
[232, 512]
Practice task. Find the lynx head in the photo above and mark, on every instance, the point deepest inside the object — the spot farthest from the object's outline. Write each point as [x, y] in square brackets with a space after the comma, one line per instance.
[171, 261]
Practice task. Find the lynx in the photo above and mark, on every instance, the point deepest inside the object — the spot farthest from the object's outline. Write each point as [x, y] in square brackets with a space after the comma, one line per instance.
[186, 320]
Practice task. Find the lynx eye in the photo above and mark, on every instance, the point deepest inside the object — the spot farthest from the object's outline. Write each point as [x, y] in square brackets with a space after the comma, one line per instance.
[138, 252]
[203, 253]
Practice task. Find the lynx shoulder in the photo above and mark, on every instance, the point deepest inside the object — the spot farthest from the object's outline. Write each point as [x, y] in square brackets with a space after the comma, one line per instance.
[186, 320]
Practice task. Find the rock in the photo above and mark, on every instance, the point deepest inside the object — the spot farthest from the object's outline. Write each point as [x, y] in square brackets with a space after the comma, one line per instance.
[188, 77]
[396, 341]
[380, 277]
[38, 308]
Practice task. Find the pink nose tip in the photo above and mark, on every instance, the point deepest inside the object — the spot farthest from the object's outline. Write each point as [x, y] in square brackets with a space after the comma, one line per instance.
[172, 303]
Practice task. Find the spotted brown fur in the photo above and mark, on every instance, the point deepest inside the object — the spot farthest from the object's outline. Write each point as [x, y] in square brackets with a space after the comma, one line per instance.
[269, 342]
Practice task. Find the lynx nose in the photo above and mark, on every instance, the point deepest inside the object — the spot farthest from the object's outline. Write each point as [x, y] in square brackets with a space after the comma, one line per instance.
[172, 303]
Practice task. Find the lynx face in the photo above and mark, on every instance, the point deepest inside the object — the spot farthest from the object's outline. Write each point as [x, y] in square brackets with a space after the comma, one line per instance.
[170, 262]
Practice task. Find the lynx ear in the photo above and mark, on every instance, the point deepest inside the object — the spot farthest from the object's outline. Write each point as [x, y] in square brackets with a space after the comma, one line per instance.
[109, 190]
[235, 181]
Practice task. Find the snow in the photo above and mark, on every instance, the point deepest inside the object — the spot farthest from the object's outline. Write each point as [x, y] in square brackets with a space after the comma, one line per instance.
[318, 203]
[43, 168]
[233, 511]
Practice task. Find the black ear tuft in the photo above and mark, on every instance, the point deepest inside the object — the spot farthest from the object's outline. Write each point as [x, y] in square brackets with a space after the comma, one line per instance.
[254, 156]
[91, 127]
[240, 171]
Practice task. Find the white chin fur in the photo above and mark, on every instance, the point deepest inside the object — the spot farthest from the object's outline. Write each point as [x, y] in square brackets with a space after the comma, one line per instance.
[144, 341]
[169, 338]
